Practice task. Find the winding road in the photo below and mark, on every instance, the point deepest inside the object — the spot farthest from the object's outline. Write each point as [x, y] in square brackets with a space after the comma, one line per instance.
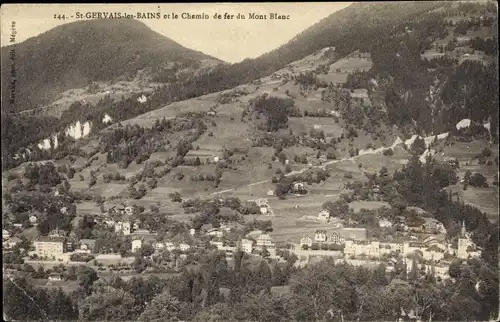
[428, 140]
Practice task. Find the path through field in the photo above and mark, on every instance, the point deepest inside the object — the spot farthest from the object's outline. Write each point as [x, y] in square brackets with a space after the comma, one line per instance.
[428, 140]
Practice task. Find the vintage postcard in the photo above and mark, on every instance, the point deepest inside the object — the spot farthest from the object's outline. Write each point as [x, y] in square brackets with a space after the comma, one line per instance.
[259, 162]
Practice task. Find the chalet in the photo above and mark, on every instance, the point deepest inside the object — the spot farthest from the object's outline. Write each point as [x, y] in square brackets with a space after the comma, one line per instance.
[70, 245]
[336, 238]
[298, 187]
[136, 244]
[129, 210]
[320, 236]
[247, 245]
[123, 227]
[265, 240]
[306, 240]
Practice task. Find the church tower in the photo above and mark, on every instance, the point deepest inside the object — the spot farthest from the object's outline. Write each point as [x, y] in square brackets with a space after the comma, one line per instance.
[463, 243]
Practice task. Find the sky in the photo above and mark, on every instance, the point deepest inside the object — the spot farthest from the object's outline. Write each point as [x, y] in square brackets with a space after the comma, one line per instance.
[230, 40]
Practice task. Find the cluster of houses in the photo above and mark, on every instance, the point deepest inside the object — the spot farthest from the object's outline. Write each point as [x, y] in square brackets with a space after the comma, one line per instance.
[9, 242]
[249, 245]
[356, 244]
[58, 247]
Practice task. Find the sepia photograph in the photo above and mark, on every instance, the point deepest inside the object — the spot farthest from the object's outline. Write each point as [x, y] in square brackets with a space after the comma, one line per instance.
[250, 162]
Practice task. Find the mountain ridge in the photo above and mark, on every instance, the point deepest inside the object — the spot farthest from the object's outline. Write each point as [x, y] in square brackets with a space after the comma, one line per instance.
[74, 54]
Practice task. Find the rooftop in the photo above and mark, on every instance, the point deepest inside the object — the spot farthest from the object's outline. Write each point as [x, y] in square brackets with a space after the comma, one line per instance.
[47, 239]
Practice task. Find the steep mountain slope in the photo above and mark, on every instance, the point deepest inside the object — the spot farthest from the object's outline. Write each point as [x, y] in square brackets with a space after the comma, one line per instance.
[396, 34]
[75, 54]
[406, 87]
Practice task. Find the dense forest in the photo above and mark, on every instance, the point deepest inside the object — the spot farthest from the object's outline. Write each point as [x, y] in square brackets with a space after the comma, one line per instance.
[247, 291]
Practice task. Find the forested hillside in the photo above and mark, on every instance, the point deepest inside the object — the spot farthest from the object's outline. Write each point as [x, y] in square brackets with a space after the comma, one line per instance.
[420, 93]
[76, 54]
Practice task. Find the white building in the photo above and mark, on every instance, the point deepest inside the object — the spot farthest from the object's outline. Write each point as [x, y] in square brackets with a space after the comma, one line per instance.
[170, 246]
[184, 247]
[354, 233]
[265, 240]
[123, 227]
[129, 210]
[262, 202]
[158, 245]
[298, 186]
[320, 236]
[263, 210]
[192, 231]
[136, 244]
[306, 240]
[247, 245]
[336, 238]
[55, 277]
[466, 247]
[384, 223]
[86, 246]
[5, 234]
[362, 247]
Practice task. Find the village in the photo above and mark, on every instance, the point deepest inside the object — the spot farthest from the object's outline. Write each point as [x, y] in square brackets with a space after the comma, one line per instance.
[425, 244]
